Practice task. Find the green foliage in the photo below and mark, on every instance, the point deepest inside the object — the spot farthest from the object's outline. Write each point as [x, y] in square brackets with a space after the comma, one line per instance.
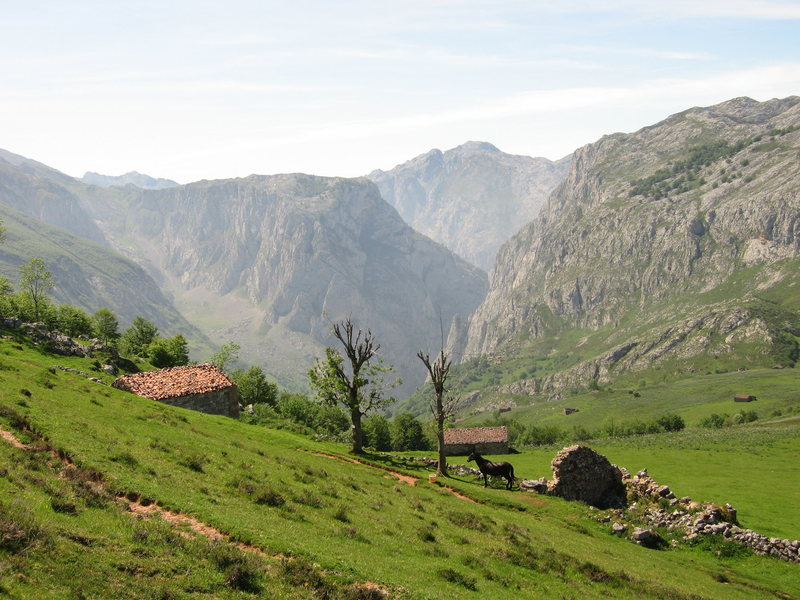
[136, 339]
[36, 282]
[377, 433]
[71, 321]
[359, 386]
[169, 352]
[671, 422]
[407, 433]
[227, 356]
[106, 326]
[254, 387]
[326, 420]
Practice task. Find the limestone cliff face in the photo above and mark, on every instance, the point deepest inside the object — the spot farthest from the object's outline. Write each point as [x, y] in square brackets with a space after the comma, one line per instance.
[664, 217]
[471, 198]
[272, 261]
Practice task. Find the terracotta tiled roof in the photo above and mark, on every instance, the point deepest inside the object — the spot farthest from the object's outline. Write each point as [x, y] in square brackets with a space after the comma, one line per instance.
[476, 435]
[174, 382]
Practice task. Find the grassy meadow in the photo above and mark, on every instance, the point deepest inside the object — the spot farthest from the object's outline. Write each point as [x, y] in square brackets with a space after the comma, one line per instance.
[299, 519]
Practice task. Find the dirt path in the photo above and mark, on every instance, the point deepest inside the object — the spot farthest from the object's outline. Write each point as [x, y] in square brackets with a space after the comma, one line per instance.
[146, 509]
[12, 439]
[149, 509]
[410, 480]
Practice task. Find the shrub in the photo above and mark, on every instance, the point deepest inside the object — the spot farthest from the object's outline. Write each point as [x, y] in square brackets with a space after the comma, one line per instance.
[453, 576]
[18, 529]
[269, 497]
[671, 422]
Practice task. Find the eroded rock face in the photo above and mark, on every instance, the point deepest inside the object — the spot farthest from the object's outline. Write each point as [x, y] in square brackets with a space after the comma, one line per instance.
[604, 248]
[580, 473]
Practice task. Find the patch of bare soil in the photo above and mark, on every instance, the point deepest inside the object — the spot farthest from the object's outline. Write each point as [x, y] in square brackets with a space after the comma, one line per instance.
[459, 495]
[12, 439]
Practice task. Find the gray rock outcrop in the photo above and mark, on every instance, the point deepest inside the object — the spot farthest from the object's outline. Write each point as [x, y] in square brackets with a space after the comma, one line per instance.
[471, 198]
[646, 237]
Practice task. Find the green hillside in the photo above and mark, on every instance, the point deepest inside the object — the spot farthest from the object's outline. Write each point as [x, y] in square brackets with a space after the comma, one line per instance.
[90, 276]
[282, 517]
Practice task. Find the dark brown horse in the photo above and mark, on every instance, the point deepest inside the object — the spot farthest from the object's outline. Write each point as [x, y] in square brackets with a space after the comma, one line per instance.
[487, 467]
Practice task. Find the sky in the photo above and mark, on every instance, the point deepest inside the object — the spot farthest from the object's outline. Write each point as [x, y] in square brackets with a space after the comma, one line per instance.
[192, 90]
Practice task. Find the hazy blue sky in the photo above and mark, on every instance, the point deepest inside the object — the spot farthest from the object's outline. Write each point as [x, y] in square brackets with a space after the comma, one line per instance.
[203, 90]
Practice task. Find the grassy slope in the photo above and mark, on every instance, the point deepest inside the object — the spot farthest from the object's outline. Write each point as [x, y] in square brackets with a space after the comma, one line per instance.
[693, 399]
[270, 489]
[753, 467]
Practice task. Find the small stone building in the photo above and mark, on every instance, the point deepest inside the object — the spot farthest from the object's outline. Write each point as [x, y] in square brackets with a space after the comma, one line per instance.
[744, 398]
[204, 388]
[484, 440]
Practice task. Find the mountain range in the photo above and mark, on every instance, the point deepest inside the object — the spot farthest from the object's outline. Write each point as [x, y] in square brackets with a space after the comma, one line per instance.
[670, 250]
[667, 251]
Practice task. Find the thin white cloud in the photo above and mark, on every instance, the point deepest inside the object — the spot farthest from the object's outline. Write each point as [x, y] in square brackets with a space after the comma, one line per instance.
[690, 9]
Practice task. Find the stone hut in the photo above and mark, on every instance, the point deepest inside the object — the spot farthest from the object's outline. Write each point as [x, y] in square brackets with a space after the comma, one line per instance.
[204, 388]
[484, 440]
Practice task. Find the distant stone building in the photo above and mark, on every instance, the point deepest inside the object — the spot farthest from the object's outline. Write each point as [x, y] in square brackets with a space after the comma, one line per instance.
[204, 388]
[484, 440]
[744, 398]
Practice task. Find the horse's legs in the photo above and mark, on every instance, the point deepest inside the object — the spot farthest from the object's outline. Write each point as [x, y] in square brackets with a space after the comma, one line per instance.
[485, 480]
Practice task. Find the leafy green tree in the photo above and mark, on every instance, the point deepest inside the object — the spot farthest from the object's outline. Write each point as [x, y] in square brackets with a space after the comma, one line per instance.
[377, 434]
[297, 408]
[407, 433]
[137, 338]
[106, 326]
[254, 387]
[36, 282]
[6, 287]
[329, 420]
[71, 320]
[226, 357]
[359, 385]
[169, 352]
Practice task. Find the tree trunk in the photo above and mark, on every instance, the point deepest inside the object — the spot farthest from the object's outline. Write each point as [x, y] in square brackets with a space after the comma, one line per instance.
[442, 466]
[358, 436]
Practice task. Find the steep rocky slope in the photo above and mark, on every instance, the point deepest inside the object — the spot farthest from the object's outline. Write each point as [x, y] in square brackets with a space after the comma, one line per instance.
[45, 194]
[662, 246]
[471, 198]
[272, 261]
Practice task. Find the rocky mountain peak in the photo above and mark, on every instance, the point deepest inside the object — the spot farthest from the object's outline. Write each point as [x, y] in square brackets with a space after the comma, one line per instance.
[470, 198]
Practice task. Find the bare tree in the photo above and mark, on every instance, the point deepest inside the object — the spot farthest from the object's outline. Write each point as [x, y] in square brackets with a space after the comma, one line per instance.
[359, 386]
[443, 407]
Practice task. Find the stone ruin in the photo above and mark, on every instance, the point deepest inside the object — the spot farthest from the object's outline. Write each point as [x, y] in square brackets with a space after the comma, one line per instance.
[580, 473]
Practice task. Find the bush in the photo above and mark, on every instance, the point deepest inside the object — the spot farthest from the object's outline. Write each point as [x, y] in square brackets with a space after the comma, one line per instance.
[714, 421]
[254, 388]
[454, 576]
[671, 422]
[377, 433]
[545, 435]
[407, 433]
